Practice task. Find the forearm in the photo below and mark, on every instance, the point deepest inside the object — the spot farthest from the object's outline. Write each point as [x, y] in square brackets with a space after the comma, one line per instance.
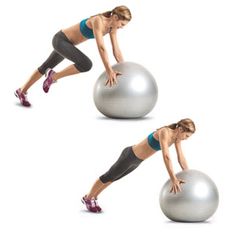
[181, 159]
[115, 48]
[104, 57]
[182, 162]
[183, 165]
[169, 168]
[118, 56]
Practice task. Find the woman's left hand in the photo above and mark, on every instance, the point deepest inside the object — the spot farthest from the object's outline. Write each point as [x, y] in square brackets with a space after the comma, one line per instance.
[112, 78]
[176, 185]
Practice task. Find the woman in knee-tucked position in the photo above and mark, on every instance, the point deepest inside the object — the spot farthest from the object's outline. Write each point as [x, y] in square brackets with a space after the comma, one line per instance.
[64, 47]
[131, 157]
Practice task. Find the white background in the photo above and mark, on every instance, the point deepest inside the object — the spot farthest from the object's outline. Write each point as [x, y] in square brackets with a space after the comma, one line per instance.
[51, 153]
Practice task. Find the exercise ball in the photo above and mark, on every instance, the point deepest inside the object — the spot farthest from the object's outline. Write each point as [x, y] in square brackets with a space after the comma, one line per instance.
[134, 95]
[197, 201]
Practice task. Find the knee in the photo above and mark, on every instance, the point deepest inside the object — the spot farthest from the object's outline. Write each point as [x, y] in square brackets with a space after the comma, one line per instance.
[106, 178]
[88, 66]
[42, 69]
[84, 66]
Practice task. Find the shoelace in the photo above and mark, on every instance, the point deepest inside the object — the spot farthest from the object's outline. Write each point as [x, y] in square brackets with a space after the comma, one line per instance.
[93, 203]
[23, 96]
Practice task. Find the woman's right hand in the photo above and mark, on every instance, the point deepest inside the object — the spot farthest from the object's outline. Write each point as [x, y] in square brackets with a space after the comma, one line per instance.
[112, 77]
[176, 185]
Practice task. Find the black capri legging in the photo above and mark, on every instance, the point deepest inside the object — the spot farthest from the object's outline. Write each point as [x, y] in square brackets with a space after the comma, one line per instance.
[64, 48]
[126, 163]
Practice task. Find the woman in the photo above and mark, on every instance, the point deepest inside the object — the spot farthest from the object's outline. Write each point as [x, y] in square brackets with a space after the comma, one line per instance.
[131, 157]
[64, 47]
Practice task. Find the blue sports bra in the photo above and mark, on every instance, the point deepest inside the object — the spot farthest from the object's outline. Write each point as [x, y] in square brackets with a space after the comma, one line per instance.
[154, 143]
[85, 30]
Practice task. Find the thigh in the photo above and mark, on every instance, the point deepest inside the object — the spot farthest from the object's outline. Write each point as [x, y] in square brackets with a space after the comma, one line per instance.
[121, 165]
[127, 171]
[66, 49]
[126, 163]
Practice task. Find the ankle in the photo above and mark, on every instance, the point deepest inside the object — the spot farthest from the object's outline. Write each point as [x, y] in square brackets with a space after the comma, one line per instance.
[55, 77]
[89, 196]
[23, 91]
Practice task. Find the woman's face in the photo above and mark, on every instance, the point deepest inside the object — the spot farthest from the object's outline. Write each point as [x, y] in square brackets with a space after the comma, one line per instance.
[183, 135]
[118, 23]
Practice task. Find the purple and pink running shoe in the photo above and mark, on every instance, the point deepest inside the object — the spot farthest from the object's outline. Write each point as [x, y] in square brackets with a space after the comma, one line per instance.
[48, 81]
[22, 97]
[91, 204]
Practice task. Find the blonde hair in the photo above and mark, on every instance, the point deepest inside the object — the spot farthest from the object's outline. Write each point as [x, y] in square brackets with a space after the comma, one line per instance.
[122, 12]
[186, 124]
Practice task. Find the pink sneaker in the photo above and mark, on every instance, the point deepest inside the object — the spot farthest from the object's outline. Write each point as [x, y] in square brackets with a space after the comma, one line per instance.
[22, 97]
[48, 81]
[91, 204]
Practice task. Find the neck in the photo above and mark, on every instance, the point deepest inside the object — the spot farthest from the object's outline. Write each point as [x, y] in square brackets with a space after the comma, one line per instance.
[174, 135]
[107, 23]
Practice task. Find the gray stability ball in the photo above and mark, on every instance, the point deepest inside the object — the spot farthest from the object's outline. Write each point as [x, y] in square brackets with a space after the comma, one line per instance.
[197, 201]
[134, 95]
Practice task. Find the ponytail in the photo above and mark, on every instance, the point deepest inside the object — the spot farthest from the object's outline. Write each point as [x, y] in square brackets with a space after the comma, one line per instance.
[173, 126]
[122, 12]
[107, 14]
[186, 124]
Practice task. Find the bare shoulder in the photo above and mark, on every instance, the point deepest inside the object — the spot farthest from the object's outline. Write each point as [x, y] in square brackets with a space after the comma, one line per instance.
[163, 133]
[96, 21]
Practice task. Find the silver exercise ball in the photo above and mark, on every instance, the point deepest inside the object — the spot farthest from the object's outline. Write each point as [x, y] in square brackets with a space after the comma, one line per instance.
[133, 96]
[197, 201]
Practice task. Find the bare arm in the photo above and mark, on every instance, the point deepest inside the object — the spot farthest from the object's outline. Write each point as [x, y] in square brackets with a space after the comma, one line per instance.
[97, 26]
[97, 30]
[115, 46]
[181, 159]
[163, 139]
